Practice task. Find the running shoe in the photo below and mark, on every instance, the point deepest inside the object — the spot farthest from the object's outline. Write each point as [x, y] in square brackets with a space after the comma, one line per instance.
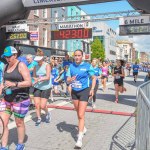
[20, 147]
[3, 148]
[65, 95]
[48, 117]
[38, 122]
[84, 131]
[79, 141]
[93, 105]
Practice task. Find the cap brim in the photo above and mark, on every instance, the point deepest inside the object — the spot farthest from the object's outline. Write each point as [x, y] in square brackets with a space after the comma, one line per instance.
[38, 58]
[6, 55]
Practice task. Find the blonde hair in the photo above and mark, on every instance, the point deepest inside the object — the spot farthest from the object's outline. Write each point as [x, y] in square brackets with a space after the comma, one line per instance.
[40, 52]
[95, 59]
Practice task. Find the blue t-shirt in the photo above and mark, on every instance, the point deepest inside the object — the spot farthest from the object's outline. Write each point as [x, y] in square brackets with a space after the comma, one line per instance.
[82, 72]
[66, 63]
[54, 75]
[135, 68]
[23, 59]
[97, 73]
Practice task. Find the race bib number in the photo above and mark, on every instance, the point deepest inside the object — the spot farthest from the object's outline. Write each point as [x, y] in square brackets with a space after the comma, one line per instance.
[117, 77]
[104, 73]
[77, 84]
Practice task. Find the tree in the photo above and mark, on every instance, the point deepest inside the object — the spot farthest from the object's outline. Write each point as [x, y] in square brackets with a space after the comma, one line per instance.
[97, 49]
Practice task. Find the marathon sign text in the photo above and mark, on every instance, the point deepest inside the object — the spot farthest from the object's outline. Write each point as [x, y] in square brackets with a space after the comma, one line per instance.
[17, 28]
[135, 20]
[54, 3]
[74, 26]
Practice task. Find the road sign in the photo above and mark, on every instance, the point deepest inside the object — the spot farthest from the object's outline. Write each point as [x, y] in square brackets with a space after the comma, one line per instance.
[34, 35]
[17, 28]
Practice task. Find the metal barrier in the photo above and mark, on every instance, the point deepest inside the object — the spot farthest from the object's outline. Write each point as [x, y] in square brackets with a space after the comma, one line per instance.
[143, 117]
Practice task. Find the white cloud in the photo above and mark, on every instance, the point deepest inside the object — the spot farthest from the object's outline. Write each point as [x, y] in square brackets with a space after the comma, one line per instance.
[141, 42]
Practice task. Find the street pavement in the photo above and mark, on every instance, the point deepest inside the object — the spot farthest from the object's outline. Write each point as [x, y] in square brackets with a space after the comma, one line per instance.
[104, 131]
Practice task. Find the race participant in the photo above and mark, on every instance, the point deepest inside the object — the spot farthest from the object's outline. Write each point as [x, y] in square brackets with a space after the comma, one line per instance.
[54, 75]
[135, 71]
[118, 73]
[147, 77]
[31, 65]
[64, 77]
[78, 74]
[42, 86]
[97, 74]
[104, 77]
[66, 61]
[128, 68]
[16, 100]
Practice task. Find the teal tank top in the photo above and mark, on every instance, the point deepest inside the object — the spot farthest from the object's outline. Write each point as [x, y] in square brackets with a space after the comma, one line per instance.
[41, 72]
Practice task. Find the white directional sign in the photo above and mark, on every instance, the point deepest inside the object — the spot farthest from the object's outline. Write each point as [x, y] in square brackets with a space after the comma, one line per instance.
[51, 3]
[17, 28]
[74, 25]
[135, 20]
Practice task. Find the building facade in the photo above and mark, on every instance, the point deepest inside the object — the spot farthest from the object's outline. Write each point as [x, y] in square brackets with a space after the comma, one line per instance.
[127, 46]
[108, 38]
[144, 57]
[40, 33]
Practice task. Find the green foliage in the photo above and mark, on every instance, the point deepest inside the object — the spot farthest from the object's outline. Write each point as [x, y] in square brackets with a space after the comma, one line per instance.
[137, 60]
[97, 49]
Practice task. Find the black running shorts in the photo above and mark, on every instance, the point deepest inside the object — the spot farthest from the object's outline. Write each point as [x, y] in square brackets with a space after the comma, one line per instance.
[42, 93]
[81, 95]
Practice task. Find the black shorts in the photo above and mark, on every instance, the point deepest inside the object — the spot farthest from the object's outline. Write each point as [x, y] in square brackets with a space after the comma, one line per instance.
[81, 95]
[119, 82]
[135, 73]
[31, 90]
[42, 93]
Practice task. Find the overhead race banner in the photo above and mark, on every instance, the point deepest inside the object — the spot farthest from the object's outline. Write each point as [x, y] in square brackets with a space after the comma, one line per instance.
[74, 25]
[134, 20]
[52, 3]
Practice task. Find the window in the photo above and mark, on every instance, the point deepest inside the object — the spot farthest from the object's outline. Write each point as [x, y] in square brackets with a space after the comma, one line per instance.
[55, 44]
[36, 12]
[44, 37]
[44, 13]
[56, 16]
[36, 42]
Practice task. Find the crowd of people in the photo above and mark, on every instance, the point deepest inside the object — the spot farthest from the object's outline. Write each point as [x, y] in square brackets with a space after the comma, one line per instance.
[31, 85]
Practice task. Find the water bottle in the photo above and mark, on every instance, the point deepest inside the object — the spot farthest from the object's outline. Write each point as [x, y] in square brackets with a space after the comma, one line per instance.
[8, 91]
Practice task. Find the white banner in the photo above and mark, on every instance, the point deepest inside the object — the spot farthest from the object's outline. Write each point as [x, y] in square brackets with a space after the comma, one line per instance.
[33, 3]
[74, 25]
[134, 20]
[17, 28]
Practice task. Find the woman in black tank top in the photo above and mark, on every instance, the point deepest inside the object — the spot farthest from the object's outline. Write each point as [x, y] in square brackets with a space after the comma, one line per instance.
[118, 73]
[16, 94]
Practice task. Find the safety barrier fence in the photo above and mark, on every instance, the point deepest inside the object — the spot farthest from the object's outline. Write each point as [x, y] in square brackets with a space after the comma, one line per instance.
[143, 117]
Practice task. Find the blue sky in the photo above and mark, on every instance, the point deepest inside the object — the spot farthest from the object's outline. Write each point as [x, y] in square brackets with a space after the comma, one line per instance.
[107, 7]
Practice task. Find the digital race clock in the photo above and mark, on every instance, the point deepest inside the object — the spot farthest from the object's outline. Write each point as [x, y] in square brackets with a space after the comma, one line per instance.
[18, 36]
[66, 34]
